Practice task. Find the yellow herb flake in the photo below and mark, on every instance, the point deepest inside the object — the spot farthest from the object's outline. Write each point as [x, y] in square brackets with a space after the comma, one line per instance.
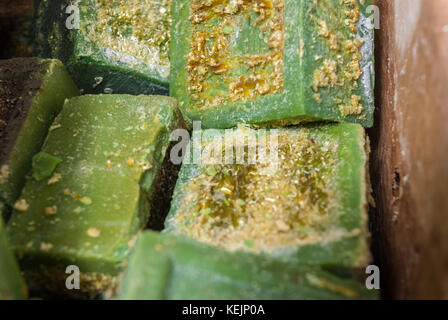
[354, 107]
[326, 75]
[130, 162]
[317, 97]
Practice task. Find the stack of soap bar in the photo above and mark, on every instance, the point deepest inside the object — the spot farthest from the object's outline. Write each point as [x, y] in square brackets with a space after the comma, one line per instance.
[275, 61]
[294, 194]
[117, 46]
[168, 267]
[16, 18]
[32, 92]
[12, 285]
[91, 188]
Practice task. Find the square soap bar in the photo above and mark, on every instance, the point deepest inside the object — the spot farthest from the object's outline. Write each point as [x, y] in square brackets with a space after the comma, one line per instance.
[294, 194]
[91, 189]
[12, 286]
[32, 92]
[272, 61]
[170, 267]
[116, 46]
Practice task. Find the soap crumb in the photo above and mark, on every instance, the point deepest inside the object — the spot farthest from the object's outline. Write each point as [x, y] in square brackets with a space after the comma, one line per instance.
[86, 200]
[45, 246]
[93, 232]
[51, 211]
[131, 243]
[21, 205]
[55, 178]
[4, 173]
[282, 226]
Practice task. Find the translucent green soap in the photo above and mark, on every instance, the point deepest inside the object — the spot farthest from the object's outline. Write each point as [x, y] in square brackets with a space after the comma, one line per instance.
[116, 46]
[170, 267]
[274, 61]
[91, 189]
[294, 194]
[32, 92]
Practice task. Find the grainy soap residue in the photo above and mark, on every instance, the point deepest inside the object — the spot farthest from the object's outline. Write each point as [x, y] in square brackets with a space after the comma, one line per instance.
[257, 207]
[133, 32]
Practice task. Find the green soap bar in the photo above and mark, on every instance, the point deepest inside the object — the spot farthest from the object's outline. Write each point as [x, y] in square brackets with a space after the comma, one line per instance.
[12, 285]
[272, 61]
[303, 198]
[119, 46]
[170, 267]
[32, 93]
[106, 153]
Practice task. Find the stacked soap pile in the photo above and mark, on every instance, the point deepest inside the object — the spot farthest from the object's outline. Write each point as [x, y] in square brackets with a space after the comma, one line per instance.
[272, 195]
